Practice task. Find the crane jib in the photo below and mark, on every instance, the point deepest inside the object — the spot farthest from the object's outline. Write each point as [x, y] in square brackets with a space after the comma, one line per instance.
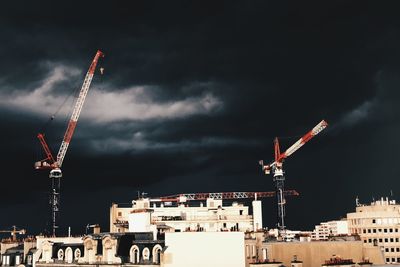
[73, 120]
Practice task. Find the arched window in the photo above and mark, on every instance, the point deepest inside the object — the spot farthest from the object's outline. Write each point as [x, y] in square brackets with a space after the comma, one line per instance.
[134, 254]
[156, 254]
[77, 254]
[60, 254]
[68, 255]
[146, 254]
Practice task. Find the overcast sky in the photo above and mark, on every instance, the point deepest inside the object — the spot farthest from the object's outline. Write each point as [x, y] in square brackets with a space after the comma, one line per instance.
[192, 95]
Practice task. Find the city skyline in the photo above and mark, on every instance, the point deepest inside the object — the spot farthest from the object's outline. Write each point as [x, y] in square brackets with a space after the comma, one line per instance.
[191, 99]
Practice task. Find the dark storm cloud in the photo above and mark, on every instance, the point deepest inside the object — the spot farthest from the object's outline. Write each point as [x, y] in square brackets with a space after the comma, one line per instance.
[193, 94]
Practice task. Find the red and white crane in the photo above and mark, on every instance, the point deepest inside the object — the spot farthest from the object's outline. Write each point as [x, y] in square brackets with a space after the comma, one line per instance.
[55, 164]
[276, 167]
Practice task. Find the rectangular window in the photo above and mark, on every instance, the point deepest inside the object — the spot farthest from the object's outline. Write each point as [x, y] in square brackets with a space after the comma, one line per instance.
[392, 250]
[380, 240]
[397, 249]
[386, 240]
[369, 240]
[391, 240]
[369, 231]
[397, 239]
[398, 259]
[391, 230]
[379, 230]
[364, 231]
[373, 221]
[374, 231]
[387, 259]
[365, 241]
[386, 249]
[385, 230]
[393, 260]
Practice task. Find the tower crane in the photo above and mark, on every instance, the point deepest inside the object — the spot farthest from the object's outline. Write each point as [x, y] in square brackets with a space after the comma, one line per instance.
[277, 168]
[55, 164]
[14, 232]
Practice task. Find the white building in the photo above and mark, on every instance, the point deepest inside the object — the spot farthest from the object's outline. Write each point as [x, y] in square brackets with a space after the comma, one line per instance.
[199, 249]
[378, 224]
[331, 228]
[211, 216]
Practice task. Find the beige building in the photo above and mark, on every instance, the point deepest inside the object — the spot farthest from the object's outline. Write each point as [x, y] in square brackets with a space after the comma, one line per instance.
[211, 216]
[378, 225]
[314, 254]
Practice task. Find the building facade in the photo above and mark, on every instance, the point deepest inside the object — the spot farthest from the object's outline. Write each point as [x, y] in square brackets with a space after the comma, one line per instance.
[378, 225]
[211, 216]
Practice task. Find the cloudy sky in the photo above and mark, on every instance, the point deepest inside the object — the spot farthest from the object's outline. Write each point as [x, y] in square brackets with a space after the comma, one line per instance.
[192, 95]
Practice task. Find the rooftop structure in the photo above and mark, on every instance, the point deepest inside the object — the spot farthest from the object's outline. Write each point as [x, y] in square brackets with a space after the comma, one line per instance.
[331, 228]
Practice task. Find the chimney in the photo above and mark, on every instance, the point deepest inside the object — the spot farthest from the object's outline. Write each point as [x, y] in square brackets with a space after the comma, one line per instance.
[96, 229]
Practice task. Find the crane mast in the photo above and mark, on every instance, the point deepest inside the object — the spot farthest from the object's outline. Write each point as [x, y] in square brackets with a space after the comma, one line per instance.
[277, 168]
[54, 164]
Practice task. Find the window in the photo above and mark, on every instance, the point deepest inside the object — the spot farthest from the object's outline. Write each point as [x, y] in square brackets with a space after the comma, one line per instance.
[397, 239]
[392, 250]
[386, 240]
[369, 240]
[369, 231]
[397, 249]
[365, 241]
[380, 230]
[391, 240]
[398, 259]
[391, 230]
[386, 249]
[374, 231]
[380, 240]
[393, 260]
[119, 213]
[373, 221]
[385, 230]
[396, 230]
[387, 259]
[364, 231]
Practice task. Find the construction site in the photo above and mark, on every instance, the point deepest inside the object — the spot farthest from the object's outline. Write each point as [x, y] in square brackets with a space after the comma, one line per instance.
[200, 229]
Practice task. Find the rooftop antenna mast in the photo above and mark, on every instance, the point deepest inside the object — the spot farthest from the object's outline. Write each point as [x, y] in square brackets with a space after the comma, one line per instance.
[277, 169]
[54, 164]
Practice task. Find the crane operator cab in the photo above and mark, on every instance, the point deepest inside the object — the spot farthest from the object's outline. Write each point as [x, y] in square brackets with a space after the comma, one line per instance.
[55, 173]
